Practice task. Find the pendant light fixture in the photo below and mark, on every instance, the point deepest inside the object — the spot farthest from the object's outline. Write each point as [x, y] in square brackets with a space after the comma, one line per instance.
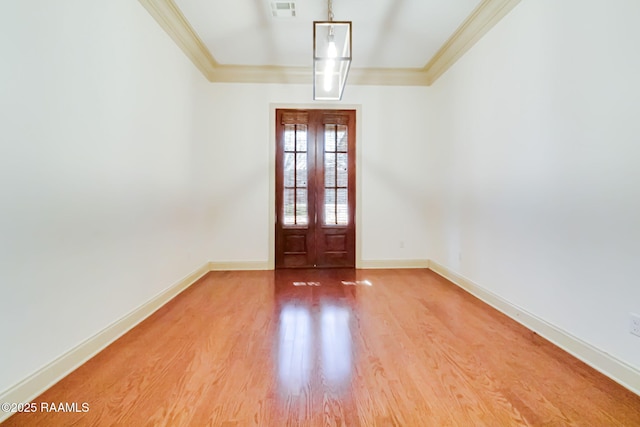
[331, 57]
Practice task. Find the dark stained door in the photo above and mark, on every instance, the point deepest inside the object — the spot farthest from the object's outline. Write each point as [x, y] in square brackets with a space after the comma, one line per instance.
[315, 188]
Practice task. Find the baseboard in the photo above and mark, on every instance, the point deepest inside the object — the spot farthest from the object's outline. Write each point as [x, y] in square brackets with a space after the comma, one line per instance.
[374, 264]
[393, 263]
[617, 370]
[239, 265]
[35, 384]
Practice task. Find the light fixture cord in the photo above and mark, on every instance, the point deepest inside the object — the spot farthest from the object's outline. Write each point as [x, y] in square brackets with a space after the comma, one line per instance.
[330, 10]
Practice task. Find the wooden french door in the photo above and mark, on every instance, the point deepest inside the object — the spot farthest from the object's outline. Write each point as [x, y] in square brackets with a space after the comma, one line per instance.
[315, 188]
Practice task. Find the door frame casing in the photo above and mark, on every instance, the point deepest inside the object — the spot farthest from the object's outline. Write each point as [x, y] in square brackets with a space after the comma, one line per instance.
[272, 171]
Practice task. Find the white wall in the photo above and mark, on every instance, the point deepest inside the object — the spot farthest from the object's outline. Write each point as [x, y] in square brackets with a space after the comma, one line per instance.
[98, 211]
[536, 183]
[235, 126]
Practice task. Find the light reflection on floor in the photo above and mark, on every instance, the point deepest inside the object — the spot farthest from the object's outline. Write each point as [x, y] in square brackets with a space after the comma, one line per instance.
[357, 283]
[336, 344]
[294, 356]
[298, 351]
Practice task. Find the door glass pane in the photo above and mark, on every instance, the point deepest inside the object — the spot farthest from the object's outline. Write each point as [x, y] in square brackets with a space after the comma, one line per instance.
[295, 175]
[329, 137]
[342, 138]
[301, 138]
[342, 217]
[336, 175]
[289, 137]
[329, 206]
[301, 170]
[302, 212]
[329, 169]
[289, 169]
[289, 205]
[342, 169]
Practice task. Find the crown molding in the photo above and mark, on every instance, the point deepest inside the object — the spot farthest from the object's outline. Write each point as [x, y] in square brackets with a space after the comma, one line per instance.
[387, 76]
[171, 19]
[260, 74]
[481, 20]
[302, 75]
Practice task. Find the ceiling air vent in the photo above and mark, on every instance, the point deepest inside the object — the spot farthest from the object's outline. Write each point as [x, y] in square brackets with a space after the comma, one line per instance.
[283, 9]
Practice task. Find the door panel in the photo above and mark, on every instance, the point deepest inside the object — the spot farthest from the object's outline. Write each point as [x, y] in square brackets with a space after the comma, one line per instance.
[335, 231]
[294, 165]
[315, 188]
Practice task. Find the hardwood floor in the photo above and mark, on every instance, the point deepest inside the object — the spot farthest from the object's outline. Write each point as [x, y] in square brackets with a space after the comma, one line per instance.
[385, 348]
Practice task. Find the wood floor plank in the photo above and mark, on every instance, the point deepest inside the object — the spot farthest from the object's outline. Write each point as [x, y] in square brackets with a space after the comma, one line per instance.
[344, 348]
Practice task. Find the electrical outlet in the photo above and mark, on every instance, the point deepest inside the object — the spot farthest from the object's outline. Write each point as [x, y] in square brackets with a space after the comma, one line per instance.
[634, 324]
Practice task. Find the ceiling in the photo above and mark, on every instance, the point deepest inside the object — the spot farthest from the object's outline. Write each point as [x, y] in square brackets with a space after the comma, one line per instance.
[386, 33]
[394, 41]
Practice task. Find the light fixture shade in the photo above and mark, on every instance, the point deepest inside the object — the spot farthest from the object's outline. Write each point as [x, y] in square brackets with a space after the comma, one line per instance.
[331, 59]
